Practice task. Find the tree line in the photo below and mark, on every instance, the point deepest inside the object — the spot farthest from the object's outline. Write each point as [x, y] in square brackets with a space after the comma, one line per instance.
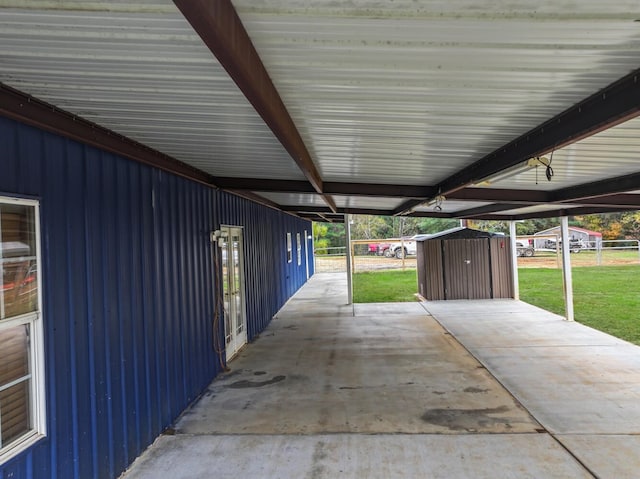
[613, 226]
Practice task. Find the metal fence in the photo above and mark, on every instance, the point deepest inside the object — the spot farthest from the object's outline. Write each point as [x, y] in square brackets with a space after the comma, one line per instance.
[584, 253]
[367, 255]
[375, 255]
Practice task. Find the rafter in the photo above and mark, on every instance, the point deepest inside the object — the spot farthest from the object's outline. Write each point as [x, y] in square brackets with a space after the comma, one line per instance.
[220, 27]
[32, 111]
[610, 106]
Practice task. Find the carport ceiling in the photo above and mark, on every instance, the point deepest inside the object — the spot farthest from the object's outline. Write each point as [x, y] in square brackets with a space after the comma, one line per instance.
[322, 108]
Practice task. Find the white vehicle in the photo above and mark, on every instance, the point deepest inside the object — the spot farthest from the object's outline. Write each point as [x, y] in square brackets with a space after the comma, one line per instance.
[407, 247]
[524, 248]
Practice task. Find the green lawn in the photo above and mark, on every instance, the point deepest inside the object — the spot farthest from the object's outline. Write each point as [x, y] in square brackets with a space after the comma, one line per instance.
[385, 286]
[605, 297]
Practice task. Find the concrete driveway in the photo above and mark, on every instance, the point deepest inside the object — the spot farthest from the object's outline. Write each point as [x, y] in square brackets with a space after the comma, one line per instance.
[387, 390]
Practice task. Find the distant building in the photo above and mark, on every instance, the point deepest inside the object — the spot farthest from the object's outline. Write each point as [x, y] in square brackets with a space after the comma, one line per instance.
[590, 239]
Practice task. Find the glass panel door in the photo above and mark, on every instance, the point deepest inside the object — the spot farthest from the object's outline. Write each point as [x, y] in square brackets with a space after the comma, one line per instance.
[233, 289]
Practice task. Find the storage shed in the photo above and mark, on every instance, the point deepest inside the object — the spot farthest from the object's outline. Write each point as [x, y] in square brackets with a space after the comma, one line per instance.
[464, 263]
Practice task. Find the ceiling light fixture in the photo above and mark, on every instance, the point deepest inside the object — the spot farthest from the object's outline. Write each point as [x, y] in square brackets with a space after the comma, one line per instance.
[518, 169]
[437, 201]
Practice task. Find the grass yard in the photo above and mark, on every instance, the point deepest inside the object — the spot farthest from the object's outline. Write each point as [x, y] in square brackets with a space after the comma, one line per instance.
[605, 297]
[385, 286]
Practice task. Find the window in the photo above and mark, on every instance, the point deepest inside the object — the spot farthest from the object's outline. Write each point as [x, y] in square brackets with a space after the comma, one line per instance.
[299, 245]
[289, 249]
[22, 419]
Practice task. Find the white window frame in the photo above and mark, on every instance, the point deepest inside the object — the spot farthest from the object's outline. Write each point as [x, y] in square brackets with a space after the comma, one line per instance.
[299, 246]
[37, 393]
[289, 249]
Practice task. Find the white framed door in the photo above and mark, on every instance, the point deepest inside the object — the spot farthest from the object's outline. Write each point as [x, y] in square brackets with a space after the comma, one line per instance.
[235, 320]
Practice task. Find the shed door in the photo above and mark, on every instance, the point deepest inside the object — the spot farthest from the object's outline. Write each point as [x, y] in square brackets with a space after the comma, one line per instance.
[466, 269]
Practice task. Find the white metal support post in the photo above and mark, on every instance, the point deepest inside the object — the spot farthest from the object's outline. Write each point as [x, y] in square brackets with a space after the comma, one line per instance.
[566, 268]
[347, 230]
[514, 260]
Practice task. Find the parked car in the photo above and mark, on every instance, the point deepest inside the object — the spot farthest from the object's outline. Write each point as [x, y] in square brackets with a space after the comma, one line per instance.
[383, 250]
[380, 249]
[406, 247]
[524, 248]
[575, 245]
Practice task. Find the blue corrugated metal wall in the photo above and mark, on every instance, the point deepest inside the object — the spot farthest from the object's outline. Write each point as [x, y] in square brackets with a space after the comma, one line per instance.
[265, 239]
[128, 295]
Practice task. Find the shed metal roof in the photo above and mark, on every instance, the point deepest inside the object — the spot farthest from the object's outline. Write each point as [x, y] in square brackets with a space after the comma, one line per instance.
[322, 109]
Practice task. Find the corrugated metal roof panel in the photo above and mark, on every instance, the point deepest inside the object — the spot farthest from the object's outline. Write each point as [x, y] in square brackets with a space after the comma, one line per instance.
[410, 93]
[294, 199]
[141, 71]
[537, 209]
[608, 154]
[367, 202]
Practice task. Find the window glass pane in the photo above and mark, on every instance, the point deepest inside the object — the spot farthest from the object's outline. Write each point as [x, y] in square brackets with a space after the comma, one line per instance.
[14, 354]
[15, 417]
[18, 265]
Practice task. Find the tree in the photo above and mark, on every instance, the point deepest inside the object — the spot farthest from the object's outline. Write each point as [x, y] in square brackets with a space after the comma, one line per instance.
[631, 224]
[336, 235]
[368, 227]
[319, 241]
[435, 225]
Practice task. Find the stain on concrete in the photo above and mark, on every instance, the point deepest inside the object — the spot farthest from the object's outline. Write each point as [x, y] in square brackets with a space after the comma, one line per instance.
[291, 327]
[259, 373]
[319, 455]
[230, 373]
[470, 420]
[255, 384]
[439, 393]
[350, 387]
[332, 357]
[475, 390]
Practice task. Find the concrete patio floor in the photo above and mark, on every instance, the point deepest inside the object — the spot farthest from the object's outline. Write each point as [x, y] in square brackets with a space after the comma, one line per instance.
[478, 389]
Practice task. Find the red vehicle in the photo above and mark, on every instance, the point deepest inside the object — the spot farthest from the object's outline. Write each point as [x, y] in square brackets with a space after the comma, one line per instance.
[380, 249]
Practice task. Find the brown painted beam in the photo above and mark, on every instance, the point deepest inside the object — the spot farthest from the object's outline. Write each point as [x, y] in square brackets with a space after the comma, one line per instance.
[613, 201]
[265, 185]
[407, 207]
[220, 27]
[610, 106]
[431, 214]
[527, 197]
[378, 190]
[556, 213]
[483, 210]
[27, 109]
[330, 203]
[331, 188]
[595, 189]
[302, 209]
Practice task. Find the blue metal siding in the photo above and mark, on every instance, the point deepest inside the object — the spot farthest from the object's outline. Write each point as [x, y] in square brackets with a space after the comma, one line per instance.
[128, 286]
[270, 280]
